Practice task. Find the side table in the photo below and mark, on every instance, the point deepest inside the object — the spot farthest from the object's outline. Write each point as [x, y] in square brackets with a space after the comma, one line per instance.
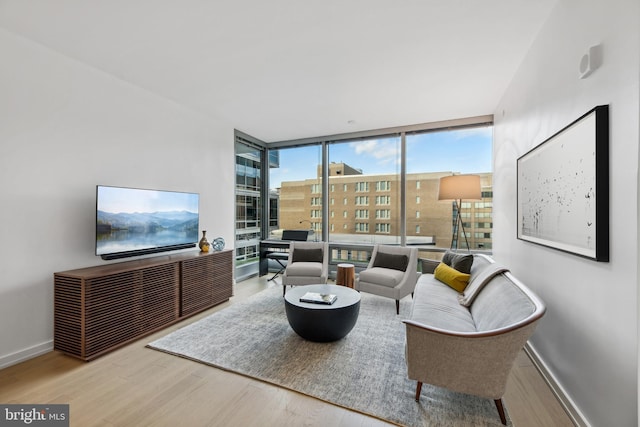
[346, 275]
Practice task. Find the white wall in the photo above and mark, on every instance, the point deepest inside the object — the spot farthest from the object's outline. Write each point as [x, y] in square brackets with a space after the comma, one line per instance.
[65, 127]
[588, 338]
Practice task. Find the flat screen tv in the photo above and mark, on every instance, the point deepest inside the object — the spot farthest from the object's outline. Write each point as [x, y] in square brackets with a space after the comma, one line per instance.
[134, 221]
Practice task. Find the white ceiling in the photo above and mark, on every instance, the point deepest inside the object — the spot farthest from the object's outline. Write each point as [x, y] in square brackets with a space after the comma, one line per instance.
[286, 69]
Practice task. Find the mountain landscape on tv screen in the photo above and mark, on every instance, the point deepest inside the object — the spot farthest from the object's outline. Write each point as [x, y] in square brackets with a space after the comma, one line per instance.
[147, 222]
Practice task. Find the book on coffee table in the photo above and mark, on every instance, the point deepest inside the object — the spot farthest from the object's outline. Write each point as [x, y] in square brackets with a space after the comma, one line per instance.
[318, 298]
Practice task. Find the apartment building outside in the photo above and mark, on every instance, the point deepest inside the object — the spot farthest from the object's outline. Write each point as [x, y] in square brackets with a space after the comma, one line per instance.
[365, 208]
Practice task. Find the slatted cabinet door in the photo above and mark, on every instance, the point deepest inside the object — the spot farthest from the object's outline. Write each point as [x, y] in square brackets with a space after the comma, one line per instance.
[206, 282]
[98, 309]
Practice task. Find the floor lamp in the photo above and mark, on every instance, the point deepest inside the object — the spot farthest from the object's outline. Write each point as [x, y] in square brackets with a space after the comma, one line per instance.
[458, 188]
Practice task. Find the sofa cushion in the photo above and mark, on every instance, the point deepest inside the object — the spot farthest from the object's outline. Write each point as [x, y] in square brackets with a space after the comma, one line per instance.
[392, 261]
[312, 269]
[461, 262]
[388, 277]
[436, 304]
[428, 265]
[307, 255]
[451, 277]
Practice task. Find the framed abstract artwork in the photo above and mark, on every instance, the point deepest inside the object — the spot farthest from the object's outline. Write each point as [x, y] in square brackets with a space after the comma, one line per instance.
[563, 188]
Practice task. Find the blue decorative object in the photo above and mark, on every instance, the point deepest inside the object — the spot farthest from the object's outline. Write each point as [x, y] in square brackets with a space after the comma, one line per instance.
[218, 244]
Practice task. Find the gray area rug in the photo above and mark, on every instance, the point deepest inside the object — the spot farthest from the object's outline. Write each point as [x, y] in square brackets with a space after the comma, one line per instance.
[365, 371]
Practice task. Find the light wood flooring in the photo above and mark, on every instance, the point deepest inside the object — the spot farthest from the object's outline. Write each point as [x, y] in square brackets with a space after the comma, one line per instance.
[137, 386]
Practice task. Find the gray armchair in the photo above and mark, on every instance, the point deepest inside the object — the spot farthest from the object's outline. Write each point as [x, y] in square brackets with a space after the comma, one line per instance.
[392, 273]
[308, 264]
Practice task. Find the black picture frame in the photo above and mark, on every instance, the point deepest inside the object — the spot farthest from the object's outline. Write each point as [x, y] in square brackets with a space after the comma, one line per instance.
[563, 189]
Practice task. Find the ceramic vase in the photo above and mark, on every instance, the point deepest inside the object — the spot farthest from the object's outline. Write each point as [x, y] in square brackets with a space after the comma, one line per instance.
[204, 243]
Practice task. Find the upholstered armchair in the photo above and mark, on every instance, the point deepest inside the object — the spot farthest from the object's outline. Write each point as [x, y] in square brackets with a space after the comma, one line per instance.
[308, 264]
[392, 273]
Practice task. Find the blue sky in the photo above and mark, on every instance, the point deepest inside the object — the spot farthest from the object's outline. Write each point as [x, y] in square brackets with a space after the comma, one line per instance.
[130, 200]
[464, 151]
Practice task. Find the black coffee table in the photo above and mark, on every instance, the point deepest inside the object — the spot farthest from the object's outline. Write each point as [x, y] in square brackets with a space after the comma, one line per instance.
[322, 322]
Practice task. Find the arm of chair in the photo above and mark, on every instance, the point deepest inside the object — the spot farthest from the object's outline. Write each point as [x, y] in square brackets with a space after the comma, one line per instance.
[477, 363]
[374, 252]
[408, 282]
[291, 249]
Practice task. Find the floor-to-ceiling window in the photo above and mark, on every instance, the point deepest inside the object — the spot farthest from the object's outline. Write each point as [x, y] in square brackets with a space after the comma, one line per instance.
[380, 188]
[437, 153]
[248, 207]
[364, 191]
[297, 184]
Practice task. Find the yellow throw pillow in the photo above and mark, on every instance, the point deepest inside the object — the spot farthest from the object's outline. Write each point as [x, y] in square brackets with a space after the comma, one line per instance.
[451, 277]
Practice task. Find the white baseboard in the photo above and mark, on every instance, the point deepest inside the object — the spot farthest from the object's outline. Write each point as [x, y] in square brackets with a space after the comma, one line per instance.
[26, 354]
[576, 416]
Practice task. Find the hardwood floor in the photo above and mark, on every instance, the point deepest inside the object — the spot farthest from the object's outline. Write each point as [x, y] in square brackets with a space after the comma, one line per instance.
[137, 386]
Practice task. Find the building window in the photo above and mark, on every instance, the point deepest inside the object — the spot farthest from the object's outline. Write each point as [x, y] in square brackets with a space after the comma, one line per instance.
[362, 200]
[482, 205]
[344, 214]
[316, 188]
[344, 187]
[316, 201]
[417, 185]
[482, 235]
[362, 214]
[383, 186]
[383, 213]
[417, 214]
[383, 228]
[484, 225]
[362, 187]
[316, 213]
[333, 188]
[383, 200]
[418, 229]
[362, 227]
[417, 200]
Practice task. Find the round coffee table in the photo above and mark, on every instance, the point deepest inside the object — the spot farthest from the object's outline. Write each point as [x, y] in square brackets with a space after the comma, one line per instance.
[322, 322]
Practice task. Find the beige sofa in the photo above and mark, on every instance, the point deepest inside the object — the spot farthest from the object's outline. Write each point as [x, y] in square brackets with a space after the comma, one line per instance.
[468, 342]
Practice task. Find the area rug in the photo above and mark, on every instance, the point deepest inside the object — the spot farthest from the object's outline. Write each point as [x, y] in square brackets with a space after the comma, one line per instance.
[364, 372]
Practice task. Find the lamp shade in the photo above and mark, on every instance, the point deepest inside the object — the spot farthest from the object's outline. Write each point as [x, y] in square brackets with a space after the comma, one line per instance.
[458, 187]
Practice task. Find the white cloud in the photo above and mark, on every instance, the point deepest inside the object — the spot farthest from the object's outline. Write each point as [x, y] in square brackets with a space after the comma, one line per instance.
[385, 151]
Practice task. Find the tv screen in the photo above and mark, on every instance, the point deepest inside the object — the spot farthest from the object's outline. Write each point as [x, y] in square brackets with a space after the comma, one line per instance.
[134, 221]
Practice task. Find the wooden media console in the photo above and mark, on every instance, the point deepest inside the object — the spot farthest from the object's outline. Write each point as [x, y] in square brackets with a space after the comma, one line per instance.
[98, 309]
